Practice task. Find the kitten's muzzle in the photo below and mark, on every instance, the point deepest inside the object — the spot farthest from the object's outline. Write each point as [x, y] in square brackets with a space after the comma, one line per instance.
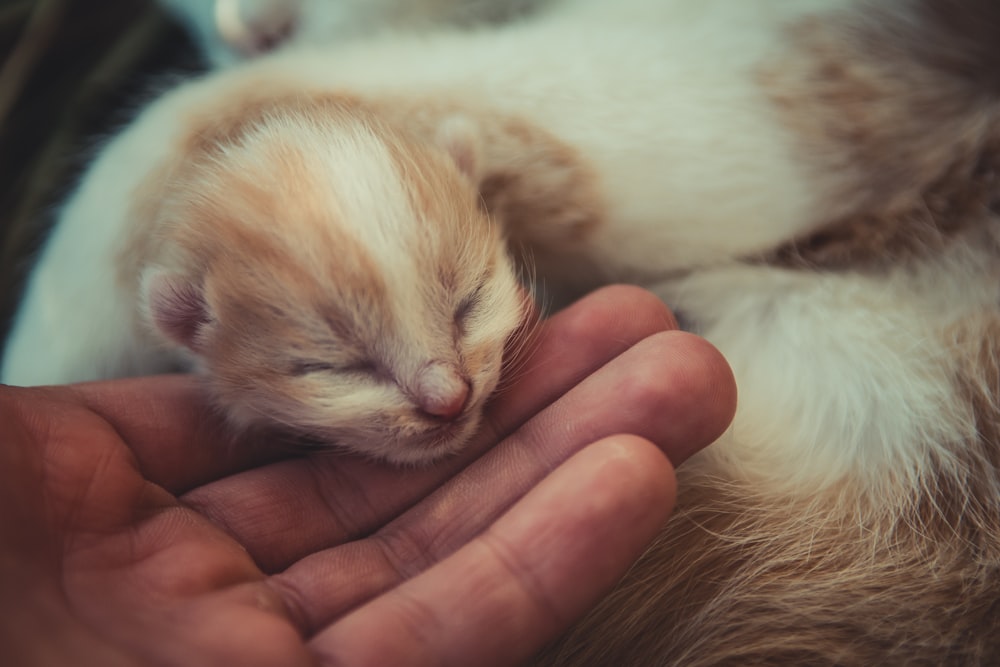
[442, 391]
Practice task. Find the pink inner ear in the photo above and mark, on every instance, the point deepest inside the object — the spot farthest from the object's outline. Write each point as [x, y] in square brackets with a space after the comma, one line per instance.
[177, 308]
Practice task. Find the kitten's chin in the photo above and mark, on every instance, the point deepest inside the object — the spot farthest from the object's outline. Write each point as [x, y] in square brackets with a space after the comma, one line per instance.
[410, 443]
[425, 448]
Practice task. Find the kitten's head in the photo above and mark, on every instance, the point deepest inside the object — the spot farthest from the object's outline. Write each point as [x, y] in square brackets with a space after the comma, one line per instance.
[340, 280]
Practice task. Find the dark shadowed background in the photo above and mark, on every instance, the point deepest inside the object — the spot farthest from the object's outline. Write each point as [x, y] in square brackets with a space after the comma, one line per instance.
[72, 71]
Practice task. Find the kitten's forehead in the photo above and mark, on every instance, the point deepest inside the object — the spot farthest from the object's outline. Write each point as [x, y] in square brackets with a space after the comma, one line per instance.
[337, 225]
[407, 209]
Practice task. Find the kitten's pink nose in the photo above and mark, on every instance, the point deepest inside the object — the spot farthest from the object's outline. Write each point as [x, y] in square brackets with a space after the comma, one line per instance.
[442, 391]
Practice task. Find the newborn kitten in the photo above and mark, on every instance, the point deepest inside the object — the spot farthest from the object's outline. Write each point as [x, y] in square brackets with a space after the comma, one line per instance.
[228, 31]
[298, 252]
[813, 184]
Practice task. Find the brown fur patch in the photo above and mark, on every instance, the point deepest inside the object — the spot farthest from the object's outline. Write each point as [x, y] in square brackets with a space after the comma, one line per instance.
[968, 194]
[550, 202]
[548, 196]
[743, 580]
[898, 105]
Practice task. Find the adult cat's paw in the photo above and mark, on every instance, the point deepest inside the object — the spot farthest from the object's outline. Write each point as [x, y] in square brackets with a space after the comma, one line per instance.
[252, 27]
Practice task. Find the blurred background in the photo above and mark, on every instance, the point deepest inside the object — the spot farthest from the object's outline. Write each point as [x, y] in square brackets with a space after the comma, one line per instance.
[72, 72]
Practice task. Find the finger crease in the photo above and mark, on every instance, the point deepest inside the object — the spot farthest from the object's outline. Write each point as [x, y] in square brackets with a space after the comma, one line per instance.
[526, 577]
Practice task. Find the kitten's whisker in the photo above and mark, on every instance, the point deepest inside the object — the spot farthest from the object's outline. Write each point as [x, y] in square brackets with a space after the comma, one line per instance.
[518, 353]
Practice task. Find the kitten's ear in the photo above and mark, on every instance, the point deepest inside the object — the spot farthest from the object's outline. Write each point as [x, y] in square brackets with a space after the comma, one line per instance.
[461, 137]
[176, 307]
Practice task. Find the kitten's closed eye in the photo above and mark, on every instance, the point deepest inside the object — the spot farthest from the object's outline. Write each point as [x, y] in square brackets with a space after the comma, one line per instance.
[467, 306]
[470, 304]
[361, 367]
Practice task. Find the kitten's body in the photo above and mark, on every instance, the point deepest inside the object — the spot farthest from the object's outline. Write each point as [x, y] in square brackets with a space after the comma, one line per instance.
[850, 515]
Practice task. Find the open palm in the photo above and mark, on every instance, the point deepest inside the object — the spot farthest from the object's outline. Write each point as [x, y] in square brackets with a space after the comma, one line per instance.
[134, 531]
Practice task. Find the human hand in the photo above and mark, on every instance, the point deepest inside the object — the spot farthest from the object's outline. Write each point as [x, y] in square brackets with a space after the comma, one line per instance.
[134, 532]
